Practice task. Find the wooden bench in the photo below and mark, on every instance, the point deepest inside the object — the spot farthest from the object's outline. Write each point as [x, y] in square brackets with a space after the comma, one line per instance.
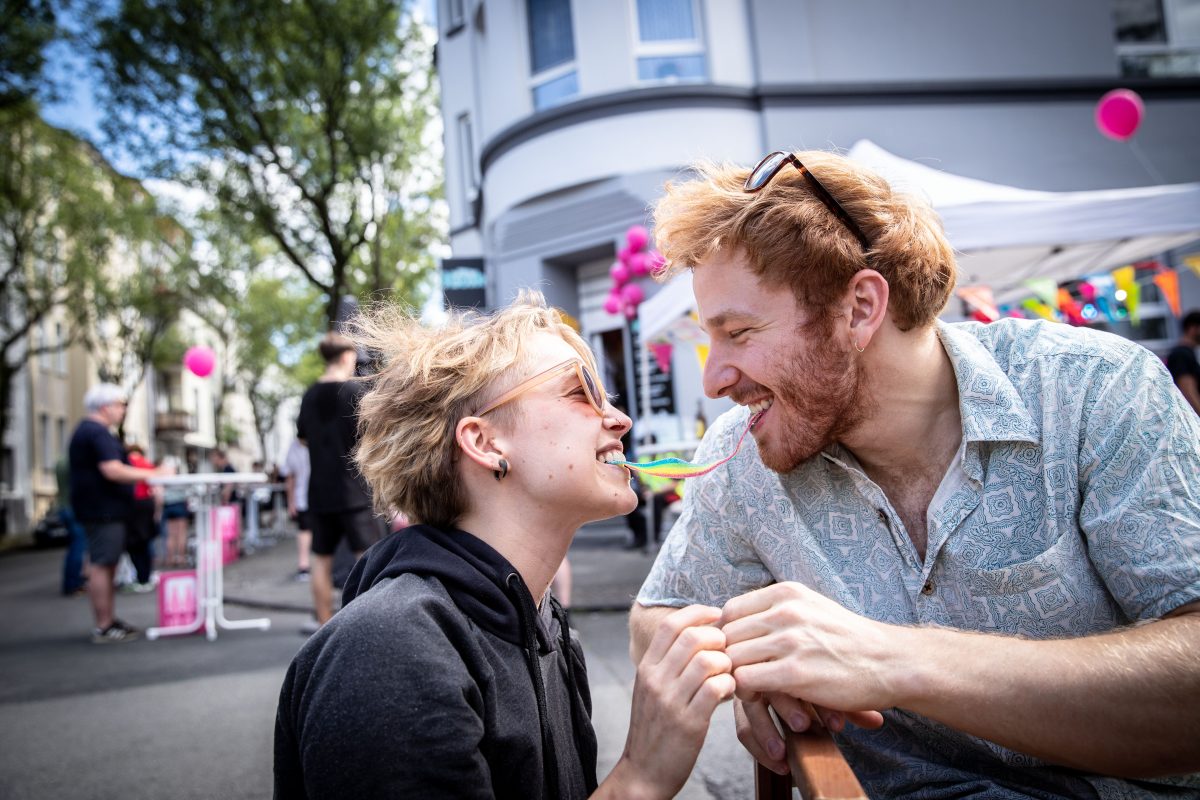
[817, 769]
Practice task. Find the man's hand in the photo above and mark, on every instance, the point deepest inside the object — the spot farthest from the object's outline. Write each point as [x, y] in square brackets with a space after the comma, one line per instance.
[787, 639]
[680, 681]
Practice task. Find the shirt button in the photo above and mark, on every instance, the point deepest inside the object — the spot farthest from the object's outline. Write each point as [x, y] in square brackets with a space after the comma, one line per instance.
[927, 588]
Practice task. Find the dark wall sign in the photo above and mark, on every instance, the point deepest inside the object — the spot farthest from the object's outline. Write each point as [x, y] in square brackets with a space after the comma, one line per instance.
[662, 386]
[464, 283]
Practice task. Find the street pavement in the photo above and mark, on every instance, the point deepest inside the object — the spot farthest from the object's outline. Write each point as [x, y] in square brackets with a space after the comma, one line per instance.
[182, 717]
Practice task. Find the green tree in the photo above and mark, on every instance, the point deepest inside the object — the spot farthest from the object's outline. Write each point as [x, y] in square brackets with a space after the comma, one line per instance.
[55, 232]
[133, 304]
[277, 324]
[26, 28]
[311, 121]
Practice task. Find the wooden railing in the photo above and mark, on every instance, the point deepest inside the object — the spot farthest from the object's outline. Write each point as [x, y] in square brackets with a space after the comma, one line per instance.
[817, 769]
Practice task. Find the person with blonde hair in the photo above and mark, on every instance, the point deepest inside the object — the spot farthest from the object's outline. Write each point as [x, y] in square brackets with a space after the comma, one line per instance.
[451, 670]
[988, 533]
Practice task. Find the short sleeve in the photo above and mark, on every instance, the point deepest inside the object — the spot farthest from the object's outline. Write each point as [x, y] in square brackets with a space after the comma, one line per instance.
[707, 557]
[107, 447]
[1140, 489]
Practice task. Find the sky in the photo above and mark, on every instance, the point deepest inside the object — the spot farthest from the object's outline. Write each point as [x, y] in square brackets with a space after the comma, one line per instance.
[77, 111]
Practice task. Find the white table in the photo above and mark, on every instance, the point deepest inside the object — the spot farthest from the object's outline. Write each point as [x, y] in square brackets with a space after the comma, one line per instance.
[210, 585]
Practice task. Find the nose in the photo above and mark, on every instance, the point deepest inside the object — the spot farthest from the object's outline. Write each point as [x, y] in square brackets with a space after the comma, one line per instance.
[616, 420]
[719, 374]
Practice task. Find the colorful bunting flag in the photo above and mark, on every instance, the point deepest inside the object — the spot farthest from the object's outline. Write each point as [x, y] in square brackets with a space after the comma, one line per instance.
[981, 299]
[1168, 283]
[662, 355]
[1046, 290]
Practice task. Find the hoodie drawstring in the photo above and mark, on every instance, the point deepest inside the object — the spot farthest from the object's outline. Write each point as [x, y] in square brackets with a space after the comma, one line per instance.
[579, 715]
[529, 632]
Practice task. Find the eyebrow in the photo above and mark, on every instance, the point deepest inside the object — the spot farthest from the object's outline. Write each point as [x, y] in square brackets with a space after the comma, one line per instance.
[723, 318]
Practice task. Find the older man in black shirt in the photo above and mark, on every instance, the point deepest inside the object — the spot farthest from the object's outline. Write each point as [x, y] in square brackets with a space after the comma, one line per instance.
[102, 498]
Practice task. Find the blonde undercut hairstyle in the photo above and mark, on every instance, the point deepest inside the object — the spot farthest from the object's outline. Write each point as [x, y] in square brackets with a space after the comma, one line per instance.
[429, 379]
[791, 239]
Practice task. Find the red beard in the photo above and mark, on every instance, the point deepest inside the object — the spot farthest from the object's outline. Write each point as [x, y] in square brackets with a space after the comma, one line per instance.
[820, 396]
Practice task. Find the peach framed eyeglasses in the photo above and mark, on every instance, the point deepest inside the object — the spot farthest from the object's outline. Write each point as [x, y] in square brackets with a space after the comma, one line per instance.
[587, 379]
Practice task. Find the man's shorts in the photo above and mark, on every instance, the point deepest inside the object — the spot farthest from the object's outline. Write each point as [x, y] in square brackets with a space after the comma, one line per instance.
[359, 526]
[304, 520]
[106, 542]
[176, 511]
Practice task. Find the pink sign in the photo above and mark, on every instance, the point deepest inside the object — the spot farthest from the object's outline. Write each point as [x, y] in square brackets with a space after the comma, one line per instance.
[176, 598]
[228, 520]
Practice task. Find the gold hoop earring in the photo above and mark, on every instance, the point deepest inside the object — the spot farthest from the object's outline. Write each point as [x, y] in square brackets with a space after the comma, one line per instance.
[859, 349]
[502, 472]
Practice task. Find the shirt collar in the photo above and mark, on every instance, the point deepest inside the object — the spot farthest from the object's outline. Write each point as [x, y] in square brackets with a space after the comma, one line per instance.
[991, 407]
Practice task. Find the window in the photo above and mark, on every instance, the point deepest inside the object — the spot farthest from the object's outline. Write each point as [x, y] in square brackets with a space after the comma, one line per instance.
[60, 436]
[60, 355]
[456, 16]
[551, 52]
[466, 155]
[669, 47]
[47, 449]
[1157, 38]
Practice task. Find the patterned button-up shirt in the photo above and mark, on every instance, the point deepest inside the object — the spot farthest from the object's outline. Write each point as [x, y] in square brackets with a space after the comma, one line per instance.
[1072, 508]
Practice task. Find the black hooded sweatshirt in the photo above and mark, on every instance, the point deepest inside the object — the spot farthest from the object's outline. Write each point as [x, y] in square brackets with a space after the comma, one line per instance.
[438, 678]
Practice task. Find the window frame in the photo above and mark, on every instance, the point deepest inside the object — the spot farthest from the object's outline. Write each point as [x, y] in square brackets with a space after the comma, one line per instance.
[695, 46]
[1173, 45]
[550, 74]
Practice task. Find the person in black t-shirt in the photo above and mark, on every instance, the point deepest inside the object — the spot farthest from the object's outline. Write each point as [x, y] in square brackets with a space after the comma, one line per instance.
[102, 497]
[1182, 363]
[339, 501]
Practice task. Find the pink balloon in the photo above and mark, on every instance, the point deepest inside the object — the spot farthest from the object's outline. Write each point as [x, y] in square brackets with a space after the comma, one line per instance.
[632, 294]
[200, 360]
[619, 273]
[1119, 113]
[630, 312]
[624, 254]
[654, 261]
[636, 237]
[612, 304]
[639, 264]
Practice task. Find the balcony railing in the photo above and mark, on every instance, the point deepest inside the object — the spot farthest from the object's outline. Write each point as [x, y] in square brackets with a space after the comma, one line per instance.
[174, 423]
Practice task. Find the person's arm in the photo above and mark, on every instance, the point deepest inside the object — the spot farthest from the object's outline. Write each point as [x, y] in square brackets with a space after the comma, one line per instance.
[643, 622]
[1121, 703]
[681, 679]
[1191, 391]
[119, 472]
[290, 485]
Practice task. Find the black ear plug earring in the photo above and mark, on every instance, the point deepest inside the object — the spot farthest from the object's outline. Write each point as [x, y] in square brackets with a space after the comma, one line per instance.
[503, 471]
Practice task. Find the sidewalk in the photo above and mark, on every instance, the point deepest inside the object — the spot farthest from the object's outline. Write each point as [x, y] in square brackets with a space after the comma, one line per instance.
[606, 578]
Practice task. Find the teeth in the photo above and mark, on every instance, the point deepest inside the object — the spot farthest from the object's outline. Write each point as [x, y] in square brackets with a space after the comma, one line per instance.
[762, 405]
[611, 457]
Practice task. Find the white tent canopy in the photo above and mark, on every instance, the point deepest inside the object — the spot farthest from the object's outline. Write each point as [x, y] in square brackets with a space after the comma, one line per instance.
[1005, 235]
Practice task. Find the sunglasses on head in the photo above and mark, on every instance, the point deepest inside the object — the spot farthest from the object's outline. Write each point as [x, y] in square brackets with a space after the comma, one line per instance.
[588, 380]
[769, 167]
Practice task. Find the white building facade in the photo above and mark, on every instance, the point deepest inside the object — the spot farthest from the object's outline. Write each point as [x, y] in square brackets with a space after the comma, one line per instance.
[563, 118]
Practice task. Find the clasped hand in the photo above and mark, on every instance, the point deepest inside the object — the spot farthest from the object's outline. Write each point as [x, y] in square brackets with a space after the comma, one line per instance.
[770, 647]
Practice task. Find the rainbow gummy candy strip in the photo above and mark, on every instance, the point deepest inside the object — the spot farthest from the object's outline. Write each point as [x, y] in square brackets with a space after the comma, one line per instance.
[678, 468]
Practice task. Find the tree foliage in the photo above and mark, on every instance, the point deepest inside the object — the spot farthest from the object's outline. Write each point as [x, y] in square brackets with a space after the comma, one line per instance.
[134, 302]
[56, 223]
[26, 28]
[309, 120]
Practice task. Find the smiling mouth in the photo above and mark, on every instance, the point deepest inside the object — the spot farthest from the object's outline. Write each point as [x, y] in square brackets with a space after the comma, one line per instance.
[758, 411]
[614, 458]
